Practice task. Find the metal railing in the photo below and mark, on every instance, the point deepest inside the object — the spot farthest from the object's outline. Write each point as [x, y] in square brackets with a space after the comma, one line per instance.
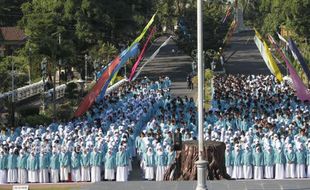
[35, 89]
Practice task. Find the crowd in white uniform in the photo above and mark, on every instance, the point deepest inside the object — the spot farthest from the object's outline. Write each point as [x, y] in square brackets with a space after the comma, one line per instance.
[264, 126]
[100, 145]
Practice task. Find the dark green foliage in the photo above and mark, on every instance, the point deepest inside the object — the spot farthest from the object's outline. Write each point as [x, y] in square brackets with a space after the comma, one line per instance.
[72, 91]
[35, 120]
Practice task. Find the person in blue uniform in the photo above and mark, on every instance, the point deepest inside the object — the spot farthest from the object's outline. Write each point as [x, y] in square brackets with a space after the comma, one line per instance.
[290, 157]
[258, 162]
[300, 161]
[149, 161]
[95, 163]
[109, 166]
[122, 161]
[75, 166]
[161, 163]
[22, 167]
[237, 165]
[247, 162]
[279, 163]
[269, 162]
[12, 167]
[43, 167]
[33, 167]
[3, 167]
[54, 166]
[85, 165]
[64, 160]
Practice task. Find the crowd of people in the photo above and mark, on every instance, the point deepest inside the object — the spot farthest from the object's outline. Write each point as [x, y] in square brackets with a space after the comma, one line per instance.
[99, 146]
[264, 126]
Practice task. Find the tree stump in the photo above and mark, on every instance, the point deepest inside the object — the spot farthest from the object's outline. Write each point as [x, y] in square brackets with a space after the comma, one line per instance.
[184, 167]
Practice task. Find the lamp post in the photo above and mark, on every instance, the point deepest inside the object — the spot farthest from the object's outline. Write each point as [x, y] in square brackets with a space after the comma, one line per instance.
[29, 66]
[86, 60]
[13, 94]
[201, 163]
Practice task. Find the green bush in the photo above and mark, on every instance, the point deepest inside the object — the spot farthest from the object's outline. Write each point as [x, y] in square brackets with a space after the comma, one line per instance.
[28, 111]
[72, 91]
[34, 120]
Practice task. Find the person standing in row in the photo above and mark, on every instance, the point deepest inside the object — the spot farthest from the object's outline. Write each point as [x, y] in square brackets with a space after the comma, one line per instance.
[300, 162]
[109, 166]
[149, 162]
[95, 163]
[75, 167]
[3, 167]
[55, 166]
[64, 160]
[247, 161]
[122, 159]
[12, 167]
[161, 163]
[22, 167]
[33, 167]
[269, 163]
[279, 162]
[290, 157]
[258, 162]
[43, 167]
[85, 166]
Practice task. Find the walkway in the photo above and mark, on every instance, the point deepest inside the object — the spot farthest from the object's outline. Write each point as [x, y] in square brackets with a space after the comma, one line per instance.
[244, 57]
[175, 64]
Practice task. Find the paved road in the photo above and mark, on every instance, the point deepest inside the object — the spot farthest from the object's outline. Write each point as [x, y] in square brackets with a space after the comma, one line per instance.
[245, 58]
[175, 65]
[302, 184]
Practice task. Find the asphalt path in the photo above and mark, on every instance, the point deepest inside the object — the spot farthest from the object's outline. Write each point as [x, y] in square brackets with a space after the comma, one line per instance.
[243, 57]
[171, 62]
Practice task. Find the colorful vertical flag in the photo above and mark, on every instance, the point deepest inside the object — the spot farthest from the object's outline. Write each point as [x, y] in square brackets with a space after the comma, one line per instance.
[152, 57]
[140, 57]
[301, 90]
[299, 57]
[267, 56]
[137, 40]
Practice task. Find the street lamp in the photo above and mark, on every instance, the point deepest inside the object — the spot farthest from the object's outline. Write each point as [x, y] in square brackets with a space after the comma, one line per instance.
[13, 93]
[201, 163]
[86, 60]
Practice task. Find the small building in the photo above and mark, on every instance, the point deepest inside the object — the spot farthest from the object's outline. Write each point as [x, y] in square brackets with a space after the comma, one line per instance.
[11, 38]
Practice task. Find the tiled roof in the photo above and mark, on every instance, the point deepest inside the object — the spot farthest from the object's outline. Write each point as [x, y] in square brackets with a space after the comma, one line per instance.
[12, 34]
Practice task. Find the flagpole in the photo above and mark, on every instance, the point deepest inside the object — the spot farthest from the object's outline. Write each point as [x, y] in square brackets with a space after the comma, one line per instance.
[201, 163]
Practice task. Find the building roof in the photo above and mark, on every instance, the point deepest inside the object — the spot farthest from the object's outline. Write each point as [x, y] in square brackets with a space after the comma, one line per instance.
[12, 34]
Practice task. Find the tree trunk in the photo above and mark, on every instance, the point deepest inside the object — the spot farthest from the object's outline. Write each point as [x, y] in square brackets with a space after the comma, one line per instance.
[185, 169]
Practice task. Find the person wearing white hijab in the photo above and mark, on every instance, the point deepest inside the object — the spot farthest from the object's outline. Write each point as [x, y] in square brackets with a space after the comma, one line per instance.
[76, 167]
[247, 161]
[33, 168]
[12, 167]
[64, 160]
[279, 163]
[161, 163]
[308, 161]
[3, 167]
[54, 166]
[237, 158]
[149, 161]
[300, 161]
[95, 163]
[290, 170]
[269, 162]
[85, 166]
[122, 161]
[258, 162]
[22, 167]
[43, 167]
